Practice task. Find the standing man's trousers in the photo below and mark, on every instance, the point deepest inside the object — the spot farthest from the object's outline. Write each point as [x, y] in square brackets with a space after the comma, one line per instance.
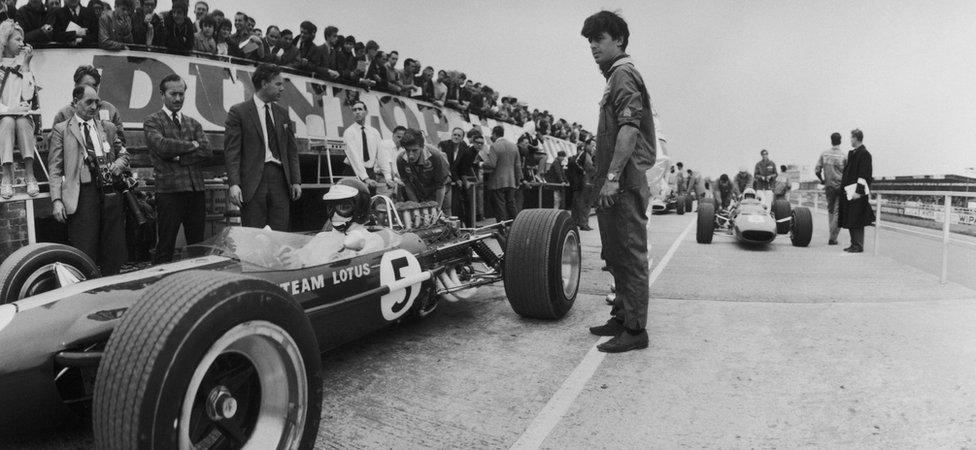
[833, 210]
[271, 203]
[97, 228]
[503, 203]
[623, 233]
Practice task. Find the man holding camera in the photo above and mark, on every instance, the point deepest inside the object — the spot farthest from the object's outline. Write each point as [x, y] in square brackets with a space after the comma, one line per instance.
[86, 159]
[178, 150]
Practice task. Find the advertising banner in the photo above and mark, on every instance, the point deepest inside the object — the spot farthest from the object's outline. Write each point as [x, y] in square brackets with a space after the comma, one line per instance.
[320, 110]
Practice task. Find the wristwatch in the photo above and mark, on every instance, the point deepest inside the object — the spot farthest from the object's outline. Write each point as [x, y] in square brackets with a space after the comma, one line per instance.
[612, 177]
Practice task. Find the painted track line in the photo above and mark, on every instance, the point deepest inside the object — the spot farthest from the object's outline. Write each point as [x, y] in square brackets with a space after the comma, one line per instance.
[557, 406]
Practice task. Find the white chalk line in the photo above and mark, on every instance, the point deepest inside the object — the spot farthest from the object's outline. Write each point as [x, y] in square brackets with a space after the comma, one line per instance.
[557, 406]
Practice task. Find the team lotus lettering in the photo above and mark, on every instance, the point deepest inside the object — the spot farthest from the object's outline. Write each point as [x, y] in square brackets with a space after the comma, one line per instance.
[350, 273]
[318, 282]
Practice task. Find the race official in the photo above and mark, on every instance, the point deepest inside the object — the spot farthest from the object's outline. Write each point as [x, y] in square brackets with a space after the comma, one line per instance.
[262, 155]
[626, 148]
[83, 156]
[362, 146]
[765, 178]
[855, 209]
[830, 170]
[178, 149]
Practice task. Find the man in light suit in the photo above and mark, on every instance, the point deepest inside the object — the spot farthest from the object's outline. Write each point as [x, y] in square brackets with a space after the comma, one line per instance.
[83, 153]
[503, 159]
[262, 155]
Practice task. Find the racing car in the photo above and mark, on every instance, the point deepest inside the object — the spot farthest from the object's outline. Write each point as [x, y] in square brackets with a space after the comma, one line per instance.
[663, 204]
[751, 223]
[222, 349]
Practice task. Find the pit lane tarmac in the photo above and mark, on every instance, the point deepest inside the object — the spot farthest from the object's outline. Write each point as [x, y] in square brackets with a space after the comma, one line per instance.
[775, 348]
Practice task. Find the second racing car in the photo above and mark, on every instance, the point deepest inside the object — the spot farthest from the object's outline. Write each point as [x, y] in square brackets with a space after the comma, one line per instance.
[750, 222]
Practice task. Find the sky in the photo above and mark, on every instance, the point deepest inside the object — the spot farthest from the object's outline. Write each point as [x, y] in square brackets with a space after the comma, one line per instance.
[727, 78]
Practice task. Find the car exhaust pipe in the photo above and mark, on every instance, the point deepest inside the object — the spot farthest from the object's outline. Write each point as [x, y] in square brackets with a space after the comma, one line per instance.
[448, 281]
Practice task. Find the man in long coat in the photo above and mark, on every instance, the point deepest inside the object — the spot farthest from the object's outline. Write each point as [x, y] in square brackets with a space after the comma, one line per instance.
[855, 210]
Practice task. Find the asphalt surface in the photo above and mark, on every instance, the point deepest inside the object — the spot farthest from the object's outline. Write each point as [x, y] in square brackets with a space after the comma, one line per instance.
[750, 347]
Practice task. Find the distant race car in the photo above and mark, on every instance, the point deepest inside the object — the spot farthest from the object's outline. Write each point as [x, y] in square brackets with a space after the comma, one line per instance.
[222, 349]
[663, 204]
[750, 222]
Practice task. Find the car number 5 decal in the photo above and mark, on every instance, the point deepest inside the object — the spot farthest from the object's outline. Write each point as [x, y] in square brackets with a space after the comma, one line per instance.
[397, 265]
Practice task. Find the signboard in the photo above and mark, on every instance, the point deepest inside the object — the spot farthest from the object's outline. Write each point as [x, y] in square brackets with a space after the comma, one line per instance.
[320, 110]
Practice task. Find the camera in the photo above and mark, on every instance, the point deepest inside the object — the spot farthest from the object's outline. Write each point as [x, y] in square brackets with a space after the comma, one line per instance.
[123, 183]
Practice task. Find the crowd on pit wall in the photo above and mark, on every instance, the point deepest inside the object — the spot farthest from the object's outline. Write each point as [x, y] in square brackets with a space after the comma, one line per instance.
[338, 58]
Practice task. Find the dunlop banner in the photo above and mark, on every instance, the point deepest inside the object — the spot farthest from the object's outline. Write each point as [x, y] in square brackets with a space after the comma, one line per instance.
[320, 110]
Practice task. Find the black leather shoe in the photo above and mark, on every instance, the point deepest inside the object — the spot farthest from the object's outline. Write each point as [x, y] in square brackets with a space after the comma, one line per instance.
[613, 327]
[624, 342]
[831, 242]
[848, 248]
[855, 250]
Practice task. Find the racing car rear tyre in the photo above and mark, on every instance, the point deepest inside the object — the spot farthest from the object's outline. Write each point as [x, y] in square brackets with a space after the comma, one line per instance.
[542, 264]
[33, 269]
[209, 358]
[706, 223]
[679, 206]
[782, 210]
[802, 230]
[689, 203]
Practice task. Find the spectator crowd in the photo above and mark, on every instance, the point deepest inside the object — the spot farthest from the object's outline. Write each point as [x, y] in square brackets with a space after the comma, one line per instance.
[338, 58]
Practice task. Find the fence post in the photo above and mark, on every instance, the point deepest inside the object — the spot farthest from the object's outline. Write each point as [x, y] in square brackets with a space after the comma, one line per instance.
[877, 226]
[946, 221]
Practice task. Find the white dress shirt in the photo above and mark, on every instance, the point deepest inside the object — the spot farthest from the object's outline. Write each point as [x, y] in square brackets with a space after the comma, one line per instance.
[353, 137]
[386, 159]
[268, 157]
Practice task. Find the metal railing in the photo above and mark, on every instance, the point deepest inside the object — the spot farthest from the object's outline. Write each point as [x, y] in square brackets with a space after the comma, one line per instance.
[947, 213]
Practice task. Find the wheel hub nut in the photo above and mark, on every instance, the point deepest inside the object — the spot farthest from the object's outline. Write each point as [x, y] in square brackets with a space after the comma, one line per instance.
[221, 405]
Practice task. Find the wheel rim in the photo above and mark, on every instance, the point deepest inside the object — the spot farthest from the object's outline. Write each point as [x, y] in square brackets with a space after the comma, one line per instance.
[250, 390]
[570, 267]
[50, 277]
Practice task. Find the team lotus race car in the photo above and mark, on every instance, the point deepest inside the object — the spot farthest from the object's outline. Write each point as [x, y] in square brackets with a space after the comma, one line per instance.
[750, 222]
[222, 348]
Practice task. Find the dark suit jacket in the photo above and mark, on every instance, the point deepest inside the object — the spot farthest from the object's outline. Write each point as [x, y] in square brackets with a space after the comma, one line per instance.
[86, 19]
[66, 156]
[244, 146]
[461, 161]
[856, 213]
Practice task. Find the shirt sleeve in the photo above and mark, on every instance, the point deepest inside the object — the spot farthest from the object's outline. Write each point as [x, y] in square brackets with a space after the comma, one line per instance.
[627, 98]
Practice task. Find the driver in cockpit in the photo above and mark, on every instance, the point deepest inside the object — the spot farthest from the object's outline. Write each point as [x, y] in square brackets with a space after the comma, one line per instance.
[344, 234]
[749, 197]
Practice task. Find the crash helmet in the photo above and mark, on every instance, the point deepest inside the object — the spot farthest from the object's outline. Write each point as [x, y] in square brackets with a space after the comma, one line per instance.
[346, 202]
[749, 193]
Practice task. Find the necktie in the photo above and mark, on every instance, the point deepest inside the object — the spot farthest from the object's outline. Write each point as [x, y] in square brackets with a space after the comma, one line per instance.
[270, 130]
[88, 140]
[176, 120]
[365, 146]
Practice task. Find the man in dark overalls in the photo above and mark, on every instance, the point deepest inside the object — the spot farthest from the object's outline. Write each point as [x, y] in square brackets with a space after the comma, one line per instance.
[625, 150]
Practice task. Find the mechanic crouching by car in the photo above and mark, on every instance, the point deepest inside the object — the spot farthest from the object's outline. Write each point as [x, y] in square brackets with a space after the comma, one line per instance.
[422, 172]
[84, 168]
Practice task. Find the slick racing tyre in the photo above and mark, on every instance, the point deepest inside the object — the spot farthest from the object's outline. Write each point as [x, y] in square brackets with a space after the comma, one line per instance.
[43, 267]
[209, 360]
[802, 229]
[679, 206]
[706, 223]
[782, 210]
[542, 264]
[689, 203]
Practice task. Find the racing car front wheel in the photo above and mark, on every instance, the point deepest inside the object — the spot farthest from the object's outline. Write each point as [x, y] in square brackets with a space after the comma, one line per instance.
[706, 223]
[43, 267]
[209, 360]
[802, 230]
[542, 264]
[782, 210]
[679, 206]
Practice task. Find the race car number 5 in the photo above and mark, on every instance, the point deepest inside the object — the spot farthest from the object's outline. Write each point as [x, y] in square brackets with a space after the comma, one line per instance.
[397, 265]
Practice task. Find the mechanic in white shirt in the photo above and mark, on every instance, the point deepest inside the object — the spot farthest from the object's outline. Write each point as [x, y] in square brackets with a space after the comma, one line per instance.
[362, 148]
